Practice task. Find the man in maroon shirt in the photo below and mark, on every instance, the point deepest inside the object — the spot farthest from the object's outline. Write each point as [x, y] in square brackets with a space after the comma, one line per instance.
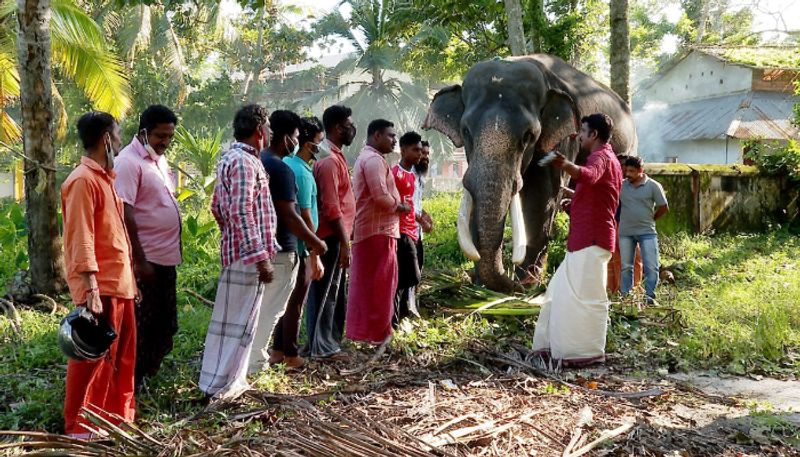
[572, 322]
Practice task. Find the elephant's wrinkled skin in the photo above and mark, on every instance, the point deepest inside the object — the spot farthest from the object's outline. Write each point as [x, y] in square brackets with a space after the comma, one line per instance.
[507, 115]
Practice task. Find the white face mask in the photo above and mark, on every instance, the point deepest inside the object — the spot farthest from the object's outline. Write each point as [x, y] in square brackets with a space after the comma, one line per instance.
[150, 151]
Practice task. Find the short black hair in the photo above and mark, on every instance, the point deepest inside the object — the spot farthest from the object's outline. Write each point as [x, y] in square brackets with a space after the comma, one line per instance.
[622, 158]
[247, 120]
[93, 125]
[310, 127]
[335, 115]
[634, 161]
[154, 115]
[600, 123]
[410, 138]
[425, 144]
[283, 122]
[378, 125]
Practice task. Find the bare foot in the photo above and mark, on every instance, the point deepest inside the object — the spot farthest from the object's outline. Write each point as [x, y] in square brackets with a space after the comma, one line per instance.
[294, 363]
[275, 357]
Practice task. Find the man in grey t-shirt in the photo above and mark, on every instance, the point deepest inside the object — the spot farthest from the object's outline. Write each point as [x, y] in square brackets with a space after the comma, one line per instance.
[642, 202]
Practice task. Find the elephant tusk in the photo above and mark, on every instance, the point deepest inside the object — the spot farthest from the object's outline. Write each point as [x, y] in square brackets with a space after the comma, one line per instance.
[462, 224]
[517, 231]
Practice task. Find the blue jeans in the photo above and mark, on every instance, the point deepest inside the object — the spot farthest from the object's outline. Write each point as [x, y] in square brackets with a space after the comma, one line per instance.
[648, 244]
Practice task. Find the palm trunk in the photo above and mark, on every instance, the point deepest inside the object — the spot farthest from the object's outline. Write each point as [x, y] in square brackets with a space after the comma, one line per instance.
[620, 49]
[516, 32]
[702, 21]
[41, 198]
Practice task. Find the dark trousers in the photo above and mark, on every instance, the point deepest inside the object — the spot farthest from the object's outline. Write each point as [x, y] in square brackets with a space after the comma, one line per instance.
[287, 330]
[326, 306]
[408, 276]
[156, 321]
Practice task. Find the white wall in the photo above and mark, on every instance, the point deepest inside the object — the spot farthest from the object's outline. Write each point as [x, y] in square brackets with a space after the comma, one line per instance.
[6, 185]
[698, 151]
[699, 76]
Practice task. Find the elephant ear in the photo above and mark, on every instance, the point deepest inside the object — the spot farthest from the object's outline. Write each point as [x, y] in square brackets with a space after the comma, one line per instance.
[559, 118]
[445, 113]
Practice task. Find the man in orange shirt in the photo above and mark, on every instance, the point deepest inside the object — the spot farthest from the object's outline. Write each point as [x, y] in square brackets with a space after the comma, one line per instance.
[100, 276]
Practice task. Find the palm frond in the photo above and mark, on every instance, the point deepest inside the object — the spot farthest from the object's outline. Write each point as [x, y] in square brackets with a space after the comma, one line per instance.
[7, 8]
[168, 43]
[79, 50]
[135, 31]
[10, 131]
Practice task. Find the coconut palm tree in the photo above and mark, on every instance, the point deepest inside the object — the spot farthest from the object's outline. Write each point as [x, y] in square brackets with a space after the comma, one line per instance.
[79, 52]
[74, 44]
[371, 81]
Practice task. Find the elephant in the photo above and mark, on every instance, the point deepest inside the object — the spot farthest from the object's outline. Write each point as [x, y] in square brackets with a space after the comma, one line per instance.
[507, 115]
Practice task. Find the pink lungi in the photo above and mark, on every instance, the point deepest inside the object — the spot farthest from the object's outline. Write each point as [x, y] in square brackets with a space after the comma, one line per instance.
[373, 281]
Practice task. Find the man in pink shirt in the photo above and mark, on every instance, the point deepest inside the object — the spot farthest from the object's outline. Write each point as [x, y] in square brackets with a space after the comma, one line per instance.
[325, 307]
[146, 185]
[572, 322]
[370, 303]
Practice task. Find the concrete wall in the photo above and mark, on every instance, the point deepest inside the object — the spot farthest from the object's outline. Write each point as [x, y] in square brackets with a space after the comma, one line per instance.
[709, 152]
[698, 76]
[6, 185]
[734, 198]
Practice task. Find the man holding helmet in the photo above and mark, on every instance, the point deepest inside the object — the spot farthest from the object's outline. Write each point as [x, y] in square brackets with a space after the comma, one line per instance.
[100, 277]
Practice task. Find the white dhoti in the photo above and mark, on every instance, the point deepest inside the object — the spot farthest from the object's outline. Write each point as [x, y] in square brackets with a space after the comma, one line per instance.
[230, 333]
[574, 316]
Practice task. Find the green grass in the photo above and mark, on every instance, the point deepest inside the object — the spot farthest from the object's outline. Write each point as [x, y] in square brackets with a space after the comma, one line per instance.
[734, 301]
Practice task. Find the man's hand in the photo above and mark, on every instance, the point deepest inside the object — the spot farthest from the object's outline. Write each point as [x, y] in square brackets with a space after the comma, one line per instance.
[344, 256]
[426, 222]
[403, 208]
[566, 204]
[566, 192]
[559, 160]
[265, 271]
[144, 272]
[93, 302]
[317, 269]
[318, 247]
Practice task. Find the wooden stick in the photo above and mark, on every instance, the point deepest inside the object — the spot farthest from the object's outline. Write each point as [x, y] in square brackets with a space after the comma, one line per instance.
[203, 299]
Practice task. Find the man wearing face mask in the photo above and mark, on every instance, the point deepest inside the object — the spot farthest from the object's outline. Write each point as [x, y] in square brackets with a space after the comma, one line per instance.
[100, 277]
[424, 220]
[146, 185]
[327, 299]
[287, 331]
[283, 187]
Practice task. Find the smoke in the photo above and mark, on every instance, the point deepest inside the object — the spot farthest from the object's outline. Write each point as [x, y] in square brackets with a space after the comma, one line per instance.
[650, 121]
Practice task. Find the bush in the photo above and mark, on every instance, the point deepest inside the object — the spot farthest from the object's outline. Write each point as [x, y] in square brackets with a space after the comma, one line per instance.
[13, 241]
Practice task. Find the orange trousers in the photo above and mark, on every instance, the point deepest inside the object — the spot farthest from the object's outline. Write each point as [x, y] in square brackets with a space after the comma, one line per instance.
[108, 382]
[615, 270]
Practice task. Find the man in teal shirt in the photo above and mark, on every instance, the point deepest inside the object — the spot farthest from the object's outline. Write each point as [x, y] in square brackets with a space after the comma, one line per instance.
[284, 348]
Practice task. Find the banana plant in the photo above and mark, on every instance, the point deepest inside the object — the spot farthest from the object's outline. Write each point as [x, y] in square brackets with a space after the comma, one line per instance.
[198, 156]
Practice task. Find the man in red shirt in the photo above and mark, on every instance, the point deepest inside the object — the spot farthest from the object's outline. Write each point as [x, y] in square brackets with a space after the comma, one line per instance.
[327, 297]
[572, 322]
[408, 274]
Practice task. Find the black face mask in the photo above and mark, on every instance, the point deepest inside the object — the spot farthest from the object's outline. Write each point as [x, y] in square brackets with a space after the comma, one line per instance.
[422, 167]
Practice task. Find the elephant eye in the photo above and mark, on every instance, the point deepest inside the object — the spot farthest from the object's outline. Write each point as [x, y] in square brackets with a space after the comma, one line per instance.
[467, 135]
[527, 139]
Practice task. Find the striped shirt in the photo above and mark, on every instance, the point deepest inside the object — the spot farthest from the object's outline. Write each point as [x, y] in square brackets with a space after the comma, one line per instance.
[243, 207]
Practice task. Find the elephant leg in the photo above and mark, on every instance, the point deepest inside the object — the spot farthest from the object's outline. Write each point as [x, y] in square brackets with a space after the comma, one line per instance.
[539, 206]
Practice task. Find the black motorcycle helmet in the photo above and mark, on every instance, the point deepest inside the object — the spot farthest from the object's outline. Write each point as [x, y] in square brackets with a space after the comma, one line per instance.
[83, 336]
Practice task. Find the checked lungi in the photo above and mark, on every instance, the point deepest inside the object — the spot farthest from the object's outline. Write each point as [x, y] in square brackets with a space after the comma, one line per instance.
[230, 333]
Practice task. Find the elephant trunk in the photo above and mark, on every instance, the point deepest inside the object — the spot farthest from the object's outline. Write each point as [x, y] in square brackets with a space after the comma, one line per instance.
[496, 196]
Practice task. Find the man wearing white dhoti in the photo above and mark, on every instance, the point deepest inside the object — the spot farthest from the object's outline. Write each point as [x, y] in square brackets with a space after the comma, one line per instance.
[243, 208]
[573, 319]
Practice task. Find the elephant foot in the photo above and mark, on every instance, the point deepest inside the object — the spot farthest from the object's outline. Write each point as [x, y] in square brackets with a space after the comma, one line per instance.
[498, 283]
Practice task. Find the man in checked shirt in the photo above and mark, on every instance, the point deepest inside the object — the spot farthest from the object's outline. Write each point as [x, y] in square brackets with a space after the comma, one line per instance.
[244, 212]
